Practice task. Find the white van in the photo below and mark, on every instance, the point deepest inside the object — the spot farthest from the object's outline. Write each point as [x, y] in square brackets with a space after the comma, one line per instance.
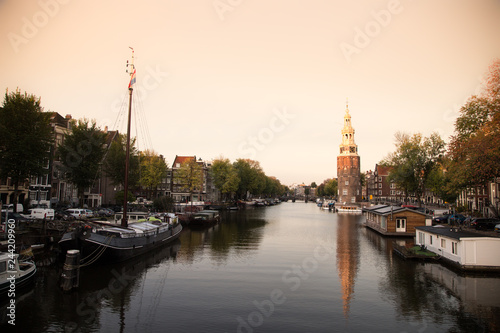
[10, 208]
[41, 213]
[78, 213]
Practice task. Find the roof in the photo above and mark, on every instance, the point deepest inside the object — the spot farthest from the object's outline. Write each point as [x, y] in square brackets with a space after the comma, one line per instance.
[183, 159]
[381, 170]
[452, 233]
[386, 210]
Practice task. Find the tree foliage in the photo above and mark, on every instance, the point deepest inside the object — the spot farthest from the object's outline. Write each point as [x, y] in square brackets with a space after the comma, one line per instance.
[81, 154]
[114, 164]
[225, 177]
[153, 169]
[414, 160]
[25, 139]
[252, 178]
[328, 188]
[190, 176]
[475, 146]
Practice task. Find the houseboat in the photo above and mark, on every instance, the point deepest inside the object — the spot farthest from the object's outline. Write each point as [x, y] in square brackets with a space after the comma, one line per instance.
[394, 220]
[462, 249]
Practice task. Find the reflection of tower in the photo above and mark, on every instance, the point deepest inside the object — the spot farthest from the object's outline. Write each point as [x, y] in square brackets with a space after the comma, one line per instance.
[348, 164]
[347, 257]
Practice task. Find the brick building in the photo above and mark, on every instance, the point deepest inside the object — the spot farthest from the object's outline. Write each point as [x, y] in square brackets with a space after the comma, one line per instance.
[348, 165]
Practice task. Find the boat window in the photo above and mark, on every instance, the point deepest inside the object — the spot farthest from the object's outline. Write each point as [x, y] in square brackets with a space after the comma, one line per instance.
[3, 267]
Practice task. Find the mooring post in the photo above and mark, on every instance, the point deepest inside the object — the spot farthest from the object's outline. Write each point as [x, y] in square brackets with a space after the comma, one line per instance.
[71, 271]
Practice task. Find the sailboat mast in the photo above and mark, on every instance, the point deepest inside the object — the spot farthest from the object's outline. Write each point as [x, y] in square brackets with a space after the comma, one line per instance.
[124, 221]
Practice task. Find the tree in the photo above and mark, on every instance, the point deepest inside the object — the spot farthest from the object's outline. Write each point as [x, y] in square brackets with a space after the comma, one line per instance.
[225, 178]
[190, 177]
[475, 146]
[153, 169]
[25, 139]
[413, 161]
[81, 155]
[163, 204]
[252, 178]
[114, 164]
[328, 188]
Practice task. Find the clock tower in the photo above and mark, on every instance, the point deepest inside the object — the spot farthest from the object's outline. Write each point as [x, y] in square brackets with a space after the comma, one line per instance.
[348, 165]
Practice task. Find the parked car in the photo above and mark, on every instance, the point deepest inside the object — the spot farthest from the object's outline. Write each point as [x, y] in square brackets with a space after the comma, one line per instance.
[78, 213]
[441, 219]
[457, 218]
[16, 217]
[105, 212]
[63, 215]
[497, 228]
[89, 213]
[484, 223]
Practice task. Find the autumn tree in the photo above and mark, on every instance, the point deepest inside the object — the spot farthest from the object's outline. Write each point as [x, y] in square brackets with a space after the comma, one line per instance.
[25, 139]
[475, 146]
[153, 169]
[82, 154]
[190, 177]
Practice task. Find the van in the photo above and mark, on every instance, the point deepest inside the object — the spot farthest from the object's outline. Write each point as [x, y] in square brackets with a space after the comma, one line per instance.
[78, 213]
[10, 208]
[42, 213]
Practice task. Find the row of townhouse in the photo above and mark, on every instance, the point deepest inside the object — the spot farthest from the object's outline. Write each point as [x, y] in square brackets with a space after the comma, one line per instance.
[50, 188]
[53, 190]
[482, 199]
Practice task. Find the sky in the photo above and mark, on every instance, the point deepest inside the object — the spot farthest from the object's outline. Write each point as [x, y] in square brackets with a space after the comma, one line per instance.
[261, 79]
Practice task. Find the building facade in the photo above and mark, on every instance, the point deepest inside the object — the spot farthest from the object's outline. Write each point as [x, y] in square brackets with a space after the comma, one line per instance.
[348, 165]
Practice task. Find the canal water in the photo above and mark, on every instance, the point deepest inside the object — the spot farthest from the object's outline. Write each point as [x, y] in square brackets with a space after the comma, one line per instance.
[286, 268]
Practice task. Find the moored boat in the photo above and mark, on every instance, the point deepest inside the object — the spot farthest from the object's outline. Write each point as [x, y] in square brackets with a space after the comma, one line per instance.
[14, 272]
[349, 209]
[205, 218]
[136, 233]
[110, 242]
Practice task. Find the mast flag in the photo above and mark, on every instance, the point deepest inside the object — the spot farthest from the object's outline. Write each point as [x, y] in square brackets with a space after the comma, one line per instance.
[132, 79]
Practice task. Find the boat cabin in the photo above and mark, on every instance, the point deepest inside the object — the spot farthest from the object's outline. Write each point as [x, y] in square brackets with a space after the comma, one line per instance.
[395, 220]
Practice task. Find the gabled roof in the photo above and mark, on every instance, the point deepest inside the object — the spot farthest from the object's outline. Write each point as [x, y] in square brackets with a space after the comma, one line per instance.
[183, 159]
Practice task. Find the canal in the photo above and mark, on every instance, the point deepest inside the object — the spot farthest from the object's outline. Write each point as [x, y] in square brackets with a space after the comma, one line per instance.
[286, 268]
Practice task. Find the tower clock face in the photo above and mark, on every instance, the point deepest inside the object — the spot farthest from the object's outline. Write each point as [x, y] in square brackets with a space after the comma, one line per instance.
[352, 149]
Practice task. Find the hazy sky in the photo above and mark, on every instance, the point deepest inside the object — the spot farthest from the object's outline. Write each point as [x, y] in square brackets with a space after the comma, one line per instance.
[260, 79]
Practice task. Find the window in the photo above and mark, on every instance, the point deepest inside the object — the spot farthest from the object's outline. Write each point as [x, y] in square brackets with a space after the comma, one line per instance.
[379, 185]
[443, 243]
[454, 247]
[344, 192]
[379, 192]
[347, 182]
[401, 225]
[421, 238]
[430, 239]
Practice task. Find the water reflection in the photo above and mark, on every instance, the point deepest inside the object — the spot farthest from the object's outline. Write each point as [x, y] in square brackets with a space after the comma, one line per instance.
[429, 294]
[347, 256]
[237, 232]
[101, 287]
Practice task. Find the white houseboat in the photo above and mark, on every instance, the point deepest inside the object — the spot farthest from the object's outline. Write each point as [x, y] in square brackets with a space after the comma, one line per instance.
[463, 249]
